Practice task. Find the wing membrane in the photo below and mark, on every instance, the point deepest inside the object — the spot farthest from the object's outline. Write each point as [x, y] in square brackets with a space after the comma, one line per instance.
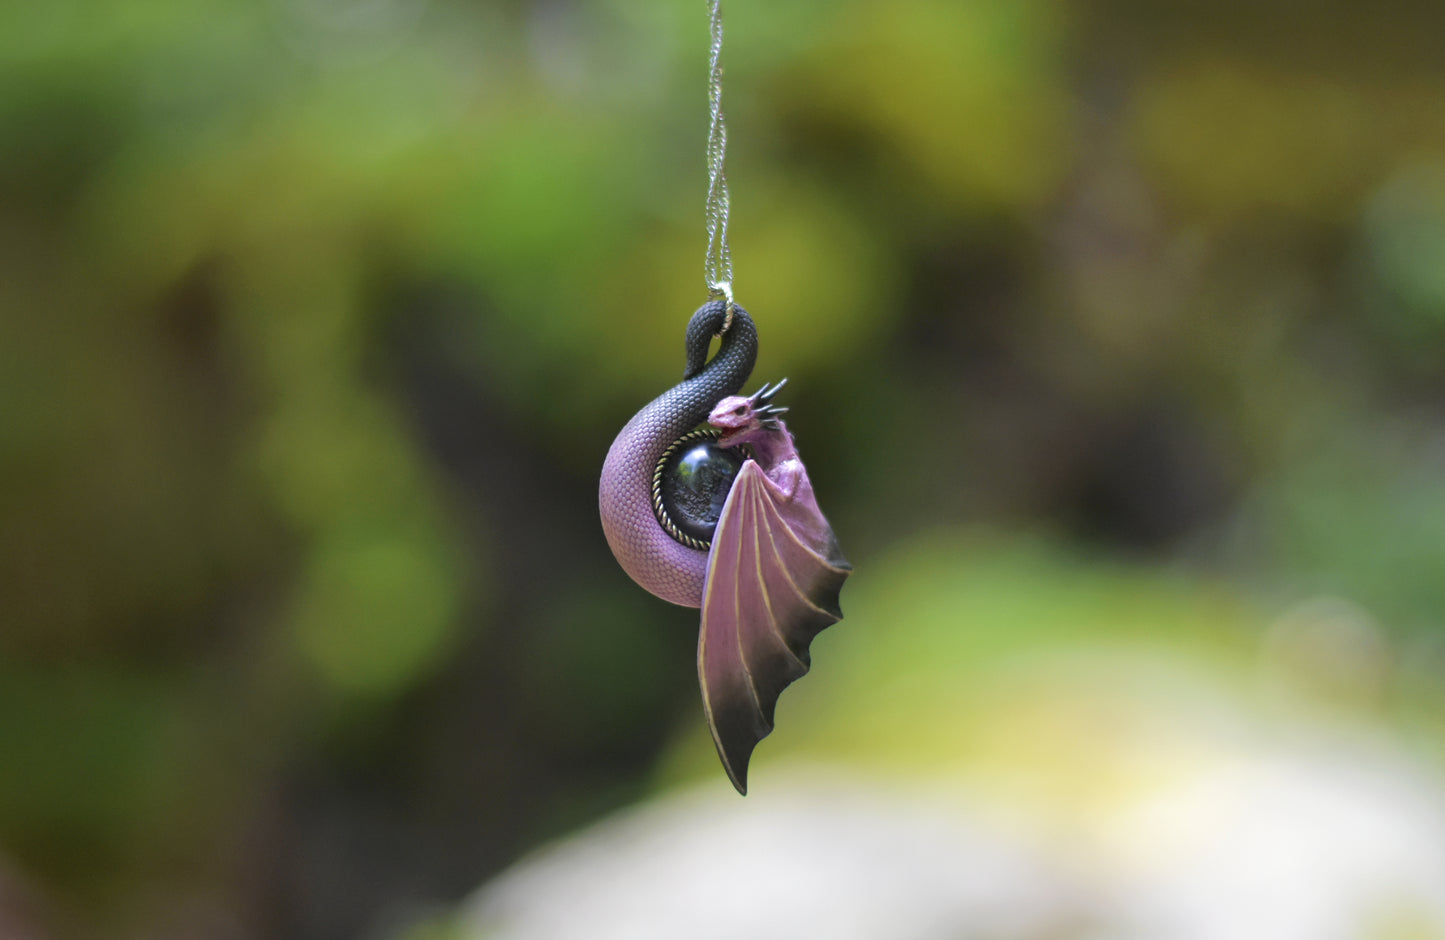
[772, 583]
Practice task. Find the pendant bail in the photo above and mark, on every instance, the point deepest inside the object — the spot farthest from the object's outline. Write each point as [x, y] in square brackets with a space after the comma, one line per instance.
[724, 289]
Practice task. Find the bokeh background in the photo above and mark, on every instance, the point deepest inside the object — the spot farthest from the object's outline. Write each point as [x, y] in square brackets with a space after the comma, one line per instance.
[1116, 333]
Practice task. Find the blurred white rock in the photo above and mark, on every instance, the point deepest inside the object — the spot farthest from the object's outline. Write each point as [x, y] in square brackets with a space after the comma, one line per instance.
[810, 857]
[1342, 844]
[1104, 757]
[1291, 834]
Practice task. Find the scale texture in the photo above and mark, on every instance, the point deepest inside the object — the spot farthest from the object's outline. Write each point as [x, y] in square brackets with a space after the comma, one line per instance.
[656, 561]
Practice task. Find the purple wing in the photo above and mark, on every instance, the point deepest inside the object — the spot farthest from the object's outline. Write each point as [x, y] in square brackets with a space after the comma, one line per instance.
[772, 583]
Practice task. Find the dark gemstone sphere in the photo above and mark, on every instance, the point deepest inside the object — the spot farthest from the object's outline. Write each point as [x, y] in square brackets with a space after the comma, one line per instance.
[695, 484]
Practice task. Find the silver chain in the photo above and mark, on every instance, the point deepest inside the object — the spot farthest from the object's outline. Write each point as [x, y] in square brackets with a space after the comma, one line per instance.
[719, 265]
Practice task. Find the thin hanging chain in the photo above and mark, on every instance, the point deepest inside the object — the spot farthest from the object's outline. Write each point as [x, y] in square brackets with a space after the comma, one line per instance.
[719, 266]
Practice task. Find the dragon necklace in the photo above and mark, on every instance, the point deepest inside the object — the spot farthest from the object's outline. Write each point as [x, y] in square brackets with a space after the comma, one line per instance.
[705, 503]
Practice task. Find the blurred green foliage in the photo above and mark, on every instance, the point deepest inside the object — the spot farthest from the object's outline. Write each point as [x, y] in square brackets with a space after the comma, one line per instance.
[317, 316]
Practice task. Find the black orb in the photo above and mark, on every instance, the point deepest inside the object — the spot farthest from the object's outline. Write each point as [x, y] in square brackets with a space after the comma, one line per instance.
[695, 484]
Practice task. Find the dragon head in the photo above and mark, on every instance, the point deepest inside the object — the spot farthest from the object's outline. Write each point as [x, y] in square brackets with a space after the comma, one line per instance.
[740, 417]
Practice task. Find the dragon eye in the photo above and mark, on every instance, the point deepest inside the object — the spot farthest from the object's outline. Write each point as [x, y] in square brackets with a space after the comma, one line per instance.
[739, 409]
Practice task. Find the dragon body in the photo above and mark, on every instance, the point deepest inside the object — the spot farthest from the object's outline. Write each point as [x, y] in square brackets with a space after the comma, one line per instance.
[748, 543]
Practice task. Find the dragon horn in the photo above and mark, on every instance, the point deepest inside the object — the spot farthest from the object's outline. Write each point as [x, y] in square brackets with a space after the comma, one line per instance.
[765, 394]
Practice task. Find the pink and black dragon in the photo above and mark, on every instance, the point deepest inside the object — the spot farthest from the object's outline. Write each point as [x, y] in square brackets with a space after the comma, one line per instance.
[706, 503]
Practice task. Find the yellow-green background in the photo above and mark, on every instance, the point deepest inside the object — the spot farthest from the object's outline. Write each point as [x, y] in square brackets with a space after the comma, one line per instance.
[1106, 323]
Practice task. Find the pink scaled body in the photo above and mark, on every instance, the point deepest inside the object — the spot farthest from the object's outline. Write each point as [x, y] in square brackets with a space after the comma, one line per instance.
[653, 558]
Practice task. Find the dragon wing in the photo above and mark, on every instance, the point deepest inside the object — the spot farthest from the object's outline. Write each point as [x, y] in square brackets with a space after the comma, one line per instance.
[773, 576]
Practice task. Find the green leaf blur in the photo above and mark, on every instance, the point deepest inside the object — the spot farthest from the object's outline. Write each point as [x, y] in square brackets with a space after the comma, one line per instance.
[318, 316]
